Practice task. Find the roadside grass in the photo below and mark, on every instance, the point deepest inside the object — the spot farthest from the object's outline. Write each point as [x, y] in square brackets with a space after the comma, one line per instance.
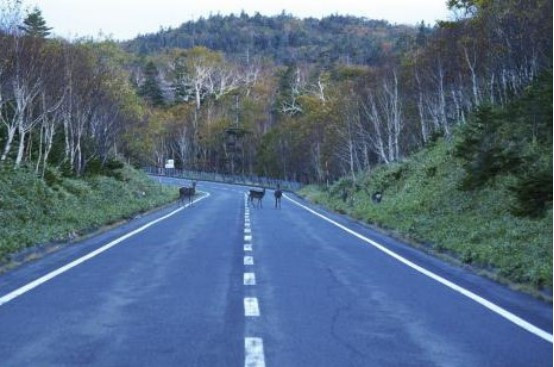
[422, 202]
[35, 211]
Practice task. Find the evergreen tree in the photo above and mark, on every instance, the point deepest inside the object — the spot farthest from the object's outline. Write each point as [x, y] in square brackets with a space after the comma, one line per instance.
[35, 25]
[422, 34]
[184, 91]
[150, 89]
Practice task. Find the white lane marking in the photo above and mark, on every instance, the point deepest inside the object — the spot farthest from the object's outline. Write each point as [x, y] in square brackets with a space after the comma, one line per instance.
[254, 352]
[251, 307]
[482, 301]
[246, 224]
[35, 283]
[248, 238]
[249, 279]
[248, 260]
[248, 247]
[247, 231]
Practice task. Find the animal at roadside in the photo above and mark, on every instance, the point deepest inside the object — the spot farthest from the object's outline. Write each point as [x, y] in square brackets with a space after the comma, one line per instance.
[187, 192]
[278, 194]
[256, 195]
[377, 197]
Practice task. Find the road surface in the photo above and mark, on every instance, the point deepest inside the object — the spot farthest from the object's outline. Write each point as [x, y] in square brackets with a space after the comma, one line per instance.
[224, 284]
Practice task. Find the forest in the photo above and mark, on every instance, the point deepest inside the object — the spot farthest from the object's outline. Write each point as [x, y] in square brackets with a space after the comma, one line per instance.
[285, 39]
[215, 97]
[311, 121]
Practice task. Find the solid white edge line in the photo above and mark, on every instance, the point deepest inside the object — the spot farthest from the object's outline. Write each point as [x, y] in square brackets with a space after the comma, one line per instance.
[35, 283]
[254, 352]
[482, 301]
[251, 307]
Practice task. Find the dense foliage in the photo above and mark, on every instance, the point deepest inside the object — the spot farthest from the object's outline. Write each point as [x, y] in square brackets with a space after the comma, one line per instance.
[64, 109]
[516, 140]
[284, 38]
[316, 119]
[59, 208]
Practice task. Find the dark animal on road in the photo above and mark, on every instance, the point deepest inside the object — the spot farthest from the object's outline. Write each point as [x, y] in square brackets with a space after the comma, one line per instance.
[187, 192]
[278, 194]
[256, 195]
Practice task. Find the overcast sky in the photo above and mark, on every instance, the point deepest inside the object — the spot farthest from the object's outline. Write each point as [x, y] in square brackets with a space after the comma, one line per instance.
[124, 19]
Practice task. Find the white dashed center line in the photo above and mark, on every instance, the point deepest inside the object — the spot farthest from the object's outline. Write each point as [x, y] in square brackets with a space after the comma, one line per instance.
[253, 346]
[251, 308]
[254, 352]
[249, 279]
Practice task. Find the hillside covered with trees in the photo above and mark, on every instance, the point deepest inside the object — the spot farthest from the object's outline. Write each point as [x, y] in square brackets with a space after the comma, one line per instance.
[285, 39]
[483, 198]
[316, 121]
[74, 105]
[64, 110]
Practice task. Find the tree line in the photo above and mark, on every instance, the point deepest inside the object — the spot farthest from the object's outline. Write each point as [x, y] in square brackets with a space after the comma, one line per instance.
[315, 122]
[77, 105]
[283, 38]
[63, 104]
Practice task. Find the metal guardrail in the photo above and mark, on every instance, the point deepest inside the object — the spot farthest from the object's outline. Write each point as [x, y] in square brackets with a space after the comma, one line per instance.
[218, 177]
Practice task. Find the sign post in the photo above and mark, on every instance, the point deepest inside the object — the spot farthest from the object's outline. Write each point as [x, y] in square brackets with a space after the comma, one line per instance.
[170, 164]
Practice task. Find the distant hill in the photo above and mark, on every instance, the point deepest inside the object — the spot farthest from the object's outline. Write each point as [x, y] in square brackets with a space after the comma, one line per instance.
[285, 39]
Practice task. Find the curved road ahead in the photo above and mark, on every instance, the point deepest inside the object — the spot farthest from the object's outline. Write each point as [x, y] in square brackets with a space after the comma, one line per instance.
[222, 284]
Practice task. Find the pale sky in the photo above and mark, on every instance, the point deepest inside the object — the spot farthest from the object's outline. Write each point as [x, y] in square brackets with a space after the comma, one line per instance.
[124, 19]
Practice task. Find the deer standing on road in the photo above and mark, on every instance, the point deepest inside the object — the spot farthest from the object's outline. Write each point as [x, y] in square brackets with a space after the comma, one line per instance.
[278, 194]
[256, 195]
[187, 192]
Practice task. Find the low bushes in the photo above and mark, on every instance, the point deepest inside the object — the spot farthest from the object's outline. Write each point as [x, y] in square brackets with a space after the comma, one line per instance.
[34, 210]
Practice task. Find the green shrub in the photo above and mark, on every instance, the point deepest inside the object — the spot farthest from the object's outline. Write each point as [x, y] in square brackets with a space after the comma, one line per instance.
[533, 193]
[35, 211]
[515, 140]
[52, 177]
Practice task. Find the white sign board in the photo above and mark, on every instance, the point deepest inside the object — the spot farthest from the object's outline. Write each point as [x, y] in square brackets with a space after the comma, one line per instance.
[170, 163]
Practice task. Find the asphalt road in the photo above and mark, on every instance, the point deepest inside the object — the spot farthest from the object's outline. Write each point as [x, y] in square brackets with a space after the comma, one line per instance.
[223, 284]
